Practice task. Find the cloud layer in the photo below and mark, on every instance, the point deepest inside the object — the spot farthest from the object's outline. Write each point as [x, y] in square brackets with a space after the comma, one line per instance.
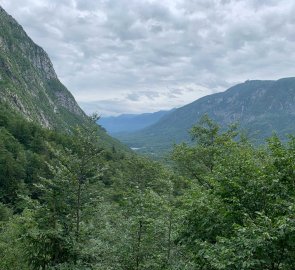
[122, 56]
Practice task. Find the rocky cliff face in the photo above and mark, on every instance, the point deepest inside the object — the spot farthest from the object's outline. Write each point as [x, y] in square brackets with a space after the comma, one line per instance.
[28, 82]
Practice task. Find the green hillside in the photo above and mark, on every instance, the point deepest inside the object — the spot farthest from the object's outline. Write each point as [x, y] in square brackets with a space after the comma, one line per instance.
[260, 108]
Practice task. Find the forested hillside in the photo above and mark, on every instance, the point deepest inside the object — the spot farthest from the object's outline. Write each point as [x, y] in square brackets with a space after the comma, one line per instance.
[67, 203]
[259, 107]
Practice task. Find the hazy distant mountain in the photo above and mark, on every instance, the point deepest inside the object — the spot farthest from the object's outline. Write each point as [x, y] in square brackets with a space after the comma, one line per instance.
[130, 122]
[260, 107]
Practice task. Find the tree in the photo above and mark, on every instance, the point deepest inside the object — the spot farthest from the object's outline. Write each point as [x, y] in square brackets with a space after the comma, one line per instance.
[244, 220]
[198, 160]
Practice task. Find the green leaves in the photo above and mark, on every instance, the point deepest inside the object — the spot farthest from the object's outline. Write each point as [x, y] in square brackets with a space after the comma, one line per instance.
[244, 218]
[75, 205]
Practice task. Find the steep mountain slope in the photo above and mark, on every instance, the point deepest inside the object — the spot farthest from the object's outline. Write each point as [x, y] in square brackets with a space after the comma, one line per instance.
[260, 107]
[130, 122]
[28, 81]
[30, 86]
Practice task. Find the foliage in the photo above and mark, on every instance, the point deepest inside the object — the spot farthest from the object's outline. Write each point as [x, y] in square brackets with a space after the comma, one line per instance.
[67, 202]
[243, 217]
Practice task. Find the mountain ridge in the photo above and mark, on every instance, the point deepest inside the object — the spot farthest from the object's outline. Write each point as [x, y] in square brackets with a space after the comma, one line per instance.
[259, 106]
[126, 123]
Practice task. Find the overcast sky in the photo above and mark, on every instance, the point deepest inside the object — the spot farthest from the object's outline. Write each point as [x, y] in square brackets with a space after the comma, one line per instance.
[131, 56]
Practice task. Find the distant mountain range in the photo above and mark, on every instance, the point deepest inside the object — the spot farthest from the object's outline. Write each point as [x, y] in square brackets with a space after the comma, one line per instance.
[260, 108]
[130, 122]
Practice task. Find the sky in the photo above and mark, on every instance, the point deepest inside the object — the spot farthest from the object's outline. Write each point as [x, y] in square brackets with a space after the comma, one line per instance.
[134, 56]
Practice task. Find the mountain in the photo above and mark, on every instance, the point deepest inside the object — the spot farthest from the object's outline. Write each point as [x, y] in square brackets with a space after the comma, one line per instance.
[28, 81]
[30, 87]
[260, 107]
[130, 122]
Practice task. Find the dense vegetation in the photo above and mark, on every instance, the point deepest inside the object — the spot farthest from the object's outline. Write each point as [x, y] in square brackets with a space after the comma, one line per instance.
[68, 203]
[260, 107]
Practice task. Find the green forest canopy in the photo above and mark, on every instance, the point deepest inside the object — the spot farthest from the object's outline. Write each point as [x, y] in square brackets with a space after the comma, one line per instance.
[67, 202]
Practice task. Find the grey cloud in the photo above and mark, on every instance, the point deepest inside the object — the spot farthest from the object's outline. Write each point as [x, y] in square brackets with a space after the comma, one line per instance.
[88, 5]
[146, 100]
[127, 53]
[136, 96]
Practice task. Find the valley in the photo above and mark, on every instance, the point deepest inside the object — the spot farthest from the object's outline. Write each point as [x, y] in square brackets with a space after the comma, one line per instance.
[259, 108]
[205, 186]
